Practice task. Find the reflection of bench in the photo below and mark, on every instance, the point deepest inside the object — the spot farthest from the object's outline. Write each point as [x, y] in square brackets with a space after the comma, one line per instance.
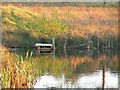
[41, 46]
[83, 45]
[43, 52]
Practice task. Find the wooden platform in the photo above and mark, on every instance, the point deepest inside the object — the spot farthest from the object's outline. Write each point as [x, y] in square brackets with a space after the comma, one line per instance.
[42, 46]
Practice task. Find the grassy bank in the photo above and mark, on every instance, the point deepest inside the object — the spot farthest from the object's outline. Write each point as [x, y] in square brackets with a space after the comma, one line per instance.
[60, 4]
[23, 26]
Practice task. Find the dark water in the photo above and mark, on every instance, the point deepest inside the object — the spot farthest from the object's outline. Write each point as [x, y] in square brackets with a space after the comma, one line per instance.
[76, 69]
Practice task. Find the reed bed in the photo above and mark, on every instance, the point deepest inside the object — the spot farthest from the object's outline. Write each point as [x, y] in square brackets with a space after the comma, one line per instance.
[16, 72]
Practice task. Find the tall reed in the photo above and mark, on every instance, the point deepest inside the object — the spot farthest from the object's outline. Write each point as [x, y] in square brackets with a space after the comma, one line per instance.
[16, 72]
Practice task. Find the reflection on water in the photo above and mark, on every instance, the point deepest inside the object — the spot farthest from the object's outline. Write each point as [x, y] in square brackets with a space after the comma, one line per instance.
[76, 69]
[93, 80]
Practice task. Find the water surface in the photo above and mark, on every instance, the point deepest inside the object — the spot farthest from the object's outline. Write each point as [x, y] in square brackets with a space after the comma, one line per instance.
[76, 69]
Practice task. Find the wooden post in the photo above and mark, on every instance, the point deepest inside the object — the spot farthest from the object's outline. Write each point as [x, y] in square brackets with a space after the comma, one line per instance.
[106, 42]
[112, 42]
[103, 43]
[103, 74]
[103, 78]
[91, 44]
[104, 2]
[53, 42]
[109, 39]
[98, 41]
[53, 55]
[65, 46]
[88, 41]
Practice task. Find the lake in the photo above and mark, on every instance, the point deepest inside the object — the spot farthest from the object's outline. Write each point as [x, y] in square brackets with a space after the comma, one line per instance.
[75, 68]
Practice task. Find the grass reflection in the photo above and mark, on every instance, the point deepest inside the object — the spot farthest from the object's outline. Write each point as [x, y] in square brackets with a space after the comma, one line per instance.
[71, 65]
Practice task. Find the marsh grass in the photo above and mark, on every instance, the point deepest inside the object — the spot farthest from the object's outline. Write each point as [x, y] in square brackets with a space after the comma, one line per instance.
[16, 72]
[44, 23]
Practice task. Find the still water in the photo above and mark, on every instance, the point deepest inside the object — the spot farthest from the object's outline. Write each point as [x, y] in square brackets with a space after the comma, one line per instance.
[76, 69]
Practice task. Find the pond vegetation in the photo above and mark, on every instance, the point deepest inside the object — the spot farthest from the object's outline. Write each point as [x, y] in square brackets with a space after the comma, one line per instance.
[23, 26]
[16, 71]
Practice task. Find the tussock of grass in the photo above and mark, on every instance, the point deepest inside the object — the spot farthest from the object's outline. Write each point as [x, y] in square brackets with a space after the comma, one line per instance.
[16, 72]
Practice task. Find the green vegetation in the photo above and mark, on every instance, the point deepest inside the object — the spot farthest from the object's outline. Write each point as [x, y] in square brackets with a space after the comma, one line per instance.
[16, 72]
[22, 28]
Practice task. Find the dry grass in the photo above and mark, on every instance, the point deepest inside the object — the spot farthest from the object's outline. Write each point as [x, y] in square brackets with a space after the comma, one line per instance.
[82, 19]
[16, 73]
[77, 22]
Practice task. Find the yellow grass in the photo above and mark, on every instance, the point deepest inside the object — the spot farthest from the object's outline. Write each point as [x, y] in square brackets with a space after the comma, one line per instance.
[92, 15]
[15, 73]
